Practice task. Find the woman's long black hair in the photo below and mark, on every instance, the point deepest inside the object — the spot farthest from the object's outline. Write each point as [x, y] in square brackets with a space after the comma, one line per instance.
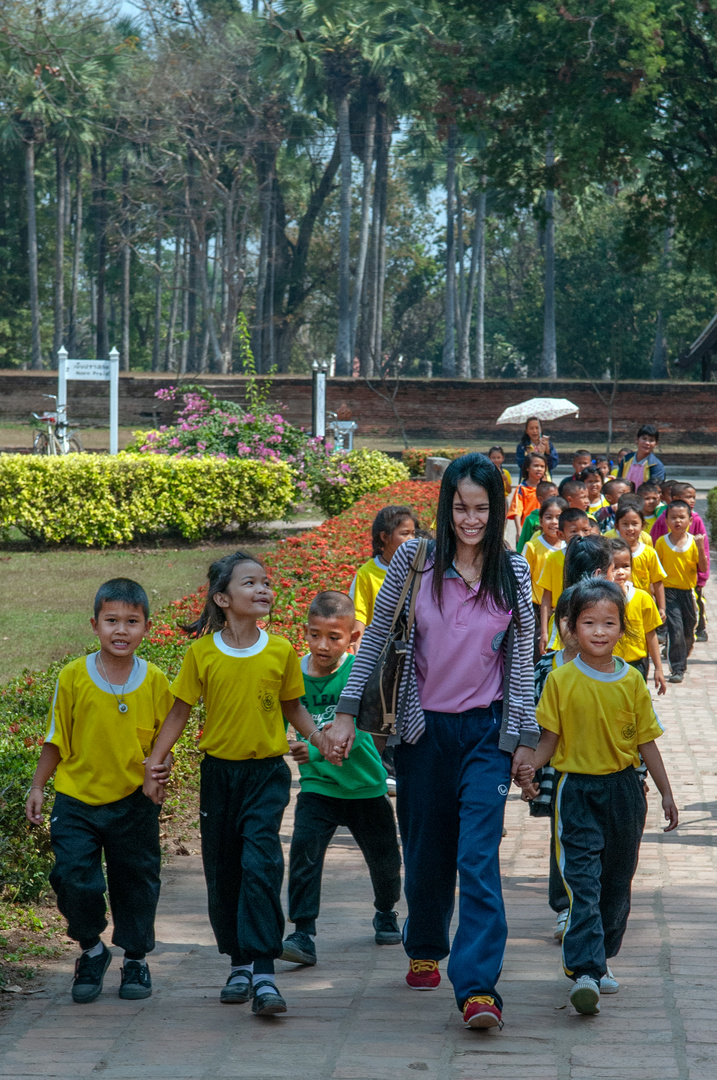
[213, 617]
[525, 437]
[498, 583]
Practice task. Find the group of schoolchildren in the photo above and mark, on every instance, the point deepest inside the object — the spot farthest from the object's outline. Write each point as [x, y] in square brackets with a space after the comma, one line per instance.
[602, 596]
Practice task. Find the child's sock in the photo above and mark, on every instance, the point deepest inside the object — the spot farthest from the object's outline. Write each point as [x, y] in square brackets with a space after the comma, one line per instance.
[137, 957]
[265, 977]
[95, 950]
[245, 970]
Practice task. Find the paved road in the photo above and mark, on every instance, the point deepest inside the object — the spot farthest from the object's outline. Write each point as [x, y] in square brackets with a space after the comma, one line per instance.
[352, 1017]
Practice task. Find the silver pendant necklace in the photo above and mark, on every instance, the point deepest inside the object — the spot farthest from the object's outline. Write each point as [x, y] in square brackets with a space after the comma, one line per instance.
[121, 703]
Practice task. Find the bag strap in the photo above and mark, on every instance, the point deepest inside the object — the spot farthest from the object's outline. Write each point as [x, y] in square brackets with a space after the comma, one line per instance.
[418, 564]
[414, 572]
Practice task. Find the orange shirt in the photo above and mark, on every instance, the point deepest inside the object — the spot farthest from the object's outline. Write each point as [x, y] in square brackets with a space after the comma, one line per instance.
[524, 502]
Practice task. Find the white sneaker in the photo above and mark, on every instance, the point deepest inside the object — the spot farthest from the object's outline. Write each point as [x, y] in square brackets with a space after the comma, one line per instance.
[560, 923]
[609, 984]
[585, 996]
[391, 785]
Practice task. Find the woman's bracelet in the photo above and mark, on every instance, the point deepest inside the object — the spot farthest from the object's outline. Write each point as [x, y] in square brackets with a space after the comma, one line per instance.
[314, 732]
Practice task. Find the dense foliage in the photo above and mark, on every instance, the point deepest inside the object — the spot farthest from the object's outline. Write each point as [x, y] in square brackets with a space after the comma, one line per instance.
[415, 459]
[96, 500]
[324, 558]
[390, 182]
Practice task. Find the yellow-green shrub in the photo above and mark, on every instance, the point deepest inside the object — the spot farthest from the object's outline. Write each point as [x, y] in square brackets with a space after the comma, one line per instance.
[346, 477]
[96, 500]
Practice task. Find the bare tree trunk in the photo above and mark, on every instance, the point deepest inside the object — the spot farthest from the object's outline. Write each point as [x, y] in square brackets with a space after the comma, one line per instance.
[369, 141]
[549, 362]
[99, 195]
[29, 147]
[266, 179]
[126, 259]
[169, 364]
[464, 353]
[157, 335]
[59, 298]
[658, 364]
[184, 355]
[480, 307]
[461, 291]
[382, 160]
[449, 334]
[343, 336]
[72, 335]
[272, 280]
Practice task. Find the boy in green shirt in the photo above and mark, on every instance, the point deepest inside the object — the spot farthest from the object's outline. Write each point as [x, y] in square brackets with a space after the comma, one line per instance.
[354, 796]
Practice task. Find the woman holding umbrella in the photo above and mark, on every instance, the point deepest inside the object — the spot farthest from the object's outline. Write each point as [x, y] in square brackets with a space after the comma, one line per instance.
[465, 722]
[534, 442]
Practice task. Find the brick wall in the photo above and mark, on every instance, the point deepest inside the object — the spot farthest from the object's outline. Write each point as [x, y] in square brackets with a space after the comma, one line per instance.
[431, 409]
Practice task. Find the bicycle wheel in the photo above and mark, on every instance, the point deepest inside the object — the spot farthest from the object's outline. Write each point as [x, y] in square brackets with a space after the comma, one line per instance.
[41, 443]
[75, 446]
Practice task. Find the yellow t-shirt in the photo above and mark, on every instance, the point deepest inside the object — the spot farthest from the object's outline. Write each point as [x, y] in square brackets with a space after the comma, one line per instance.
[641, 616]
[645, 537]
[242, 690]
[594, 507]
[551, 576]
[680, 566]
[600, 718]
[507, 481]
[536, 553]
[364, 588]
[102, 750]
[646, 567]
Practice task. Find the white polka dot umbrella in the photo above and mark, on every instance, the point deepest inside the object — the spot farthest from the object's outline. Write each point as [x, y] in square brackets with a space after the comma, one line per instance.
[545, 408]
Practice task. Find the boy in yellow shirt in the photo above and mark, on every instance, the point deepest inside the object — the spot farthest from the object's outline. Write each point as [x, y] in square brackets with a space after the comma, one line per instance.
[572, 522]
[681, 555]
[106, 712]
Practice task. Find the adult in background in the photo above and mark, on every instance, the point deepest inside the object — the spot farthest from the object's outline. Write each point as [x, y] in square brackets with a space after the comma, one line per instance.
[466, 721]
[642, 464]
[534, 442]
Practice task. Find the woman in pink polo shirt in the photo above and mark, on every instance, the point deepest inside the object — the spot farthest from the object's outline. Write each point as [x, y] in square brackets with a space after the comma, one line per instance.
[466, 720]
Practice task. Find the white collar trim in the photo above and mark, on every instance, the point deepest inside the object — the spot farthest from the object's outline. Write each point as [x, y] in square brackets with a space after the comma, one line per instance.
[253, 650]
[551, 547]
[304, 664]
[139, 671]
[602, 676]
[674, 547]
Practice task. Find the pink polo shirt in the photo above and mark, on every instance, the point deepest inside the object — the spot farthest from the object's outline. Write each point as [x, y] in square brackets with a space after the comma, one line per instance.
[459, 659]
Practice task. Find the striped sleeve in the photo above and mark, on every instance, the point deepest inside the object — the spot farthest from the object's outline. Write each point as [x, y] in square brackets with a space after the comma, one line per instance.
[522, 725]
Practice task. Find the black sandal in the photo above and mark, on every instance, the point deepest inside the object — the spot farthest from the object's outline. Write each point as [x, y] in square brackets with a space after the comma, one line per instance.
[266, 1004]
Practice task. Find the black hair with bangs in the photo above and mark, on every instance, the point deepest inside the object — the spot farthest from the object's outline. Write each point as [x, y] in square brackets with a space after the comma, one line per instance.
[220, 573]
[592, 591]
[498, 584]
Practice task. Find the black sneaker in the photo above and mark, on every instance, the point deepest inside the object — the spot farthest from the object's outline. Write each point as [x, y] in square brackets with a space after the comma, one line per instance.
[299, 948]
[385, 923]
[89, 976]
[266, 1004]
[702, 635]
[677, 677]
[136, 982]
[237, 990]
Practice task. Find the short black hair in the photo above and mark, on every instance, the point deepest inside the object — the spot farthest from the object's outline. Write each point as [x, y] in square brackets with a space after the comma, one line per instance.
[601, 457]
[627, 504]
[573, 513]
[590, 470]
[542, 486]
[677, 503]
[609, 486]
[618, 544]
[386, 521]
[553, 500]
[591, 591]
[648, 485]
[570, 486]
[498, 448]
[680, 489]
[122, 590]
[331, 605]
[582, 453]
[650, 430]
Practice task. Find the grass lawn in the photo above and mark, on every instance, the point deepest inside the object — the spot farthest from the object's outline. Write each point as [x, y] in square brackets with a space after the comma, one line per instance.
[46, 598]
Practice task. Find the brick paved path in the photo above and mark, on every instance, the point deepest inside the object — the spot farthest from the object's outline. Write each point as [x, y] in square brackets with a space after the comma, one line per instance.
[352, 1017]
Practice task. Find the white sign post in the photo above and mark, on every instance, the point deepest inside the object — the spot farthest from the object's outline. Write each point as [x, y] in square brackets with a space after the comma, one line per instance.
[88, 371]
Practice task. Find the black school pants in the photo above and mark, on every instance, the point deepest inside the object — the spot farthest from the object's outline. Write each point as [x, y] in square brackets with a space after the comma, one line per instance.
[680, 619]
[372, 825]
[599, 821]
[127, 832]
[241, 805]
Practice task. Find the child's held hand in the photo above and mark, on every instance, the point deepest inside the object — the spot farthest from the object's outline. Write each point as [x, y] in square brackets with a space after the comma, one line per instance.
[299, 751]
[530, 792]
[662, 613]
[660, 684]
[671, 813]
[33, 805]
[162, 771]
[153, 789]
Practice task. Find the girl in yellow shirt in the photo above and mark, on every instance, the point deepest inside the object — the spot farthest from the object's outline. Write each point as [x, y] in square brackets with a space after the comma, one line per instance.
[249, 680]
[647, 571]
[392, 526]
[640, 644]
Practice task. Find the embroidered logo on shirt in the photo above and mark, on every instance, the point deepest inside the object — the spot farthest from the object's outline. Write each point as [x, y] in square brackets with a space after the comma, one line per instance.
[497, 641]
[267, 701]
[628, 731]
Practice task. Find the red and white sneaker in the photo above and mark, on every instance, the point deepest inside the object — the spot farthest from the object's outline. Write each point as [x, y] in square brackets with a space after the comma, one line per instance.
[481, 1012]
[423, 975]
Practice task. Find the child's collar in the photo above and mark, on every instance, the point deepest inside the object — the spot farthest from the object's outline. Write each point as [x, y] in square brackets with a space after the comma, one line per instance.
[305, 660]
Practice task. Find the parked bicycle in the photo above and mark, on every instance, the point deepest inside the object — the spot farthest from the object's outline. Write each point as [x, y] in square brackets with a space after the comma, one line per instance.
[56, 438]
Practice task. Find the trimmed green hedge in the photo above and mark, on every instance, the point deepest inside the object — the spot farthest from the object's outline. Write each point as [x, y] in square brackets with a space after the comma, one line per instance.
[347, 477]
[95, 500]
[415, 459]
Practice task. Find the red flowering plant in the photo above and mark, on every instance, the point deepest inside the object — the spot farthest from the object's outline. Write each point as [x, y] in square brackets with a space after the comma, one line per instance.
[301, 566]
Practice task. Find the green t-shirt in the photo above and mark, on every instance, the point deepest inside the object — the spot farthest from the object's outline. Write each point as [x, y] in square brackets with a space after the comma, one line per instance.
[362, 776]
[530, 525]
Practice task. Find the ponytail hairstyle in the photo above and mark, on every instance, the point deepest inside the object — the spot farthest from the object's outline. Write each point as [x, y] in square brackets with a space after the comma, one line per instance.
[586, 557]
[592, 591]
[498, 584]
[386, 520]
[213, 617]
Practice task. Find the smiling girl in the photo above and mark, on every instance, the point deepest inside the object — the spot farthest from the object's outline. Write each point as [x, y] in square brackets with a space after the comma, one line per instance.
[647, 571]
[247, 679]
